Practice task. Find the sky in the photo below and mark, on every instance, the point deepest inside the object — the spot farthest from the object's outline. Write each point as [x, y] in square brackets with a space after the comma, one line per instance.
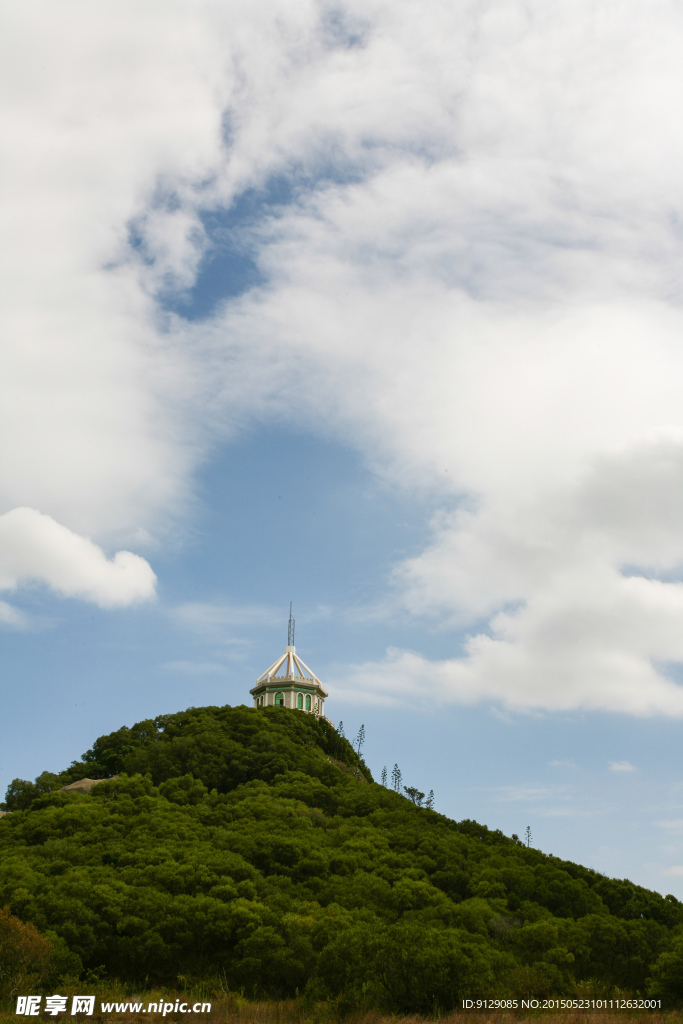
[375, 308]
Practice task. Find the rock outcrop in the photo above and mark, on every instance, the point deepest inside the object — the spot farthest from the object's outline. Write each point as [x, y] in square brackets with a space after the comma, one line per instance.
[85, 785]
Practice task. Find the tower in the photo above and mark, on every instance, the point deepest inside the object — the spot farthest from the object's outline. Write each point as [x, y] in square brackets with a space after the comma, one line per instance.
[290, 683]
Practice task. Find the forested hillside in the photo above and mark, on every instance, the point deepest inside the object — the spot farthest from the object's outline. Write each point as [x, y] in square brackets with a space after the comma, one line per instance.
[249, 845]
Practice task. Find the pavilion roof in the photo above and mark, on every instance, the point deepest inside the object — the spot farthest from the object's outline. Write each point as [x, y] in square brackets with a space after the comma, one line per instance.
[289, 666]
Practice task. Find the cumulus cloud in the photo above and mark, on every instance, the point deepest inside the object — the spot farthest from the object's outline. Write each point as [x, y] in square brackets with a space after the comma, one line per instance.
[96, 108]
[34, 548]
[122, 127]
[523, 676]
[621, 766]
[491, 313]
[475, 281]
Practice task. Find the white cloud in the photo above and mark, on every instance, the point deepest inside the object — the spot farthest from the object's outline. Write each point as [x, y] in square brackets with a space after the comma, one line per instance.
[499, 303]
[10, 616]
[98, 106]
[477, 284]
[523, 670]
[34, 548]
[621, 766]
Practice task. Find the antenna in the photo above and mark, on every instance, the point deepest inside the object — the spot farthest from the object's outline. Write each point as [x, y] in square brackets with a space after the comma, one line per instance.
[290, 630]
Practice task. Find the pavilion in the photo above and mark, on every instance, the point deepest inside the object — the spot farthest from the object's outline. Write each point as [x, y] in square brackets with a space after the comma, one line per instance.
[289, 682]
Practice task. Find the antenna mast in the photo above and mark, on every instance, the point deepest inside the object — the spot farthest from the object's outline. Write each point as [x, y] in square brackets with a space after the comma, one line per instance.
[290, 630]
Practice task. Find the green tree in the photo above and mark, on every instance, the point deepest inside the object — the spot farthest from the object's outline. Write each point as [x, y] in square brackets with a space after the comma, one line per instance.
[240, 843]
[666, 981]
[396, 778]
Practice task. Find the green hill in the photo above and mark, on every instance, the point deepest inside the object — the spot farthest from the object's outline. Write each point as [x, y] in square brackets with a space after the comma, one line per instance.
[248, 845]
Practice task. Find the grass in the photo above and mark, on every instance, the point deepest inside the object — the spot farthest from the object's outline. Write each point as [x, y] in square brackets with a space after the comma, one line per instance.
[233, 1009]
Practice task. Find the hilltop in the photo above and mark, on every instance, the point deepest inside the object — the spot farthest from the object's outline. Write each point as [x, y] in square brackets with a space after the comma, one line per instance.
[252, 845]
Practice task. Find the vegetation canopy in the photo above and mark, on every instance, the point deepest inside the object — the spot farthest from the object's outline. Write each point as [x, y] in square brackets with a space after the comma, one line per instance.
[252, 845]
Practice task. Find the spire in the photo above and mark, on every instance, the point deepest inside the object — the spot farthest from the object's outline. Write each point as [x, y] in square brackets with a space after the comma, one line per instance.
[289, 665]
[289, 682]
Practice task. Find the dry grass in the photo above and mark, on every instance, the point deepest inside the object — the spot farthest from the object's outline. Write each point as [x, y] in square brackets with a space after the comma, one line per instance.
[535, 1016]
[236, 1010]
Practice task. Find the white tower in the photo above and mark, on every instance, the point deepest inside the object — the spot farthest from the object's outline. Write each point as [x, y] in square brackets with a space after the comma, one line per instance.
[290, 683]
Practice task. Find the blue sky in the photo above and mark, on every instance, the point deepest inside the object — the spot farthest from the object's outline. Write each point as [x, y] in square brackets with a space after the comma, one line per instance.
[379, 314]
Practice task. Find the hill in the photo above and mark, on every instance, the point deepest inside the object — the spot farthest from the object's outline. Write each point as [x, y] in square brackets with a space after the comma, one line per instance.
[249, 844]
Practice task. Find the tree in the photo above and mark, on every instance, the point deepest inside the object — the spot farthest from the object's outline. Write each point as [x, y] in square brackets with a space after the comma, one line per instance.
[429, 802]
[527, 835]
[24, 954]
[667, 973]
[21, 794]
[414, 794]
[340, 729]
[246, 849]
[358, 746]
[384, 775]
